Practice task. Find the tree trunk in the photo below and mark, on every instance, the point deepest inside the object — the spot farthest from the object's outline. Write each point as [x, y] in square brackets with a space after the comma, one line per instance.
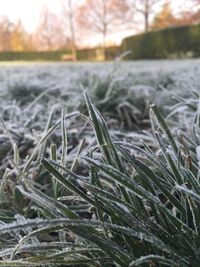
[146, 18]
[104, 46]
[72, 32]
[104, 24]
[146, 15]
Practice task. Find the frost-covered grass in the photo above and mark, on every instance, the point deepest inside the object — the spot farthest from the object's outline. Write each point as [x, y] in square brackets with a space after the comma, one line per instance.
[100, 178]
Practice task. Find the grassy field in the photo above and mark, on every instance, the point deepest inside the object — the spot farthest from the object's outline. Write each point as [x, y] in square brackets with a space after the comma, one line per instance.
[99, 164]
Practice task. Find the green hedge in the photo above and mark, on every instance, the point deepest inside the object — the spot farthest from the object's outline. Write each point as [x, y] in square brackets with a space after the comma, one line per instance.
[32, 55]
[172, 42]
[83, 54]
[86, 54]
[94, 53]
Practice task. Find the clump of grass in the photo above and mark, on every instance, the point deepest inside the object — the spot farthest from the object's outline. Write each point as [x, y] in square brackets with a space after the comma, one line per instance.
[125, 206]
[24, 91]
[119, 97]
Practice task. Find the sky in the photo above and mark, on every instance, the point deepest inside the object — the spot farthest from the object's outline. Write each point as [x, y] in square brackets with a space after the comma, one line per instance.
[28, 11]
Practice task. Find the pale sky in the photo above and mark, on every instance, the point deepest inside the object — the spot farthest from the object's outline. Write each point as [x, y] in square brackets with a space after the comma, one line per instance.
[27, 11]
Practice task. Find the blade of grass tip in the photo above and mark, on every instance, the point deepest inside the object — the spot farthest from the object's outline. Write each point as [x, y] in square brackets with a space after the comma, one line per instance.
[44, 138]
[191, 179]
[195, 214]
[53, 156]
[164, 127]
[104, 140]
[119, 59]
[169, 159]
[64, 139]
[8, 133]
[53, 152]
[108, 93]
[97, 126]
[102, 134]
[48, 126]
[188, 139]
[94, 178]
[3, 183]
[95, 181]
[16, 155]
[188, 163]
[110, 145]
[75, 161]
[41, 151]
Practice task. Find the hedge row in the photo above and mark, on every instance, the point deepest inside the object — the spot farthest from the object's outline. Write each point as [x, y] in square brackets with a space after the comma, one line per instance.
[32, 55]
[168, 43]
[84, 54]
[96, 53]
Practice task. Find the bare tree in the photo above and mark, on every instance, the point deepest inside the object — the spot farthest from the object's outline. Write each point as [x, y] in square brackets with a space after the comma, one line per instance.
[19, 38]
[6, 28]
[144, 8]
[189, 12]
[102, 16]
[165, 18]
[69, 16]
[49, 32]
[185, 12]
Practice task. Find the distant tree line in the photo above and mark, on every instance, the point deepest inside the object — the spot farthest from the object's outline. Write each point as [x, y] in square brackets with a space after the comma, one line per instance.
[67, 30]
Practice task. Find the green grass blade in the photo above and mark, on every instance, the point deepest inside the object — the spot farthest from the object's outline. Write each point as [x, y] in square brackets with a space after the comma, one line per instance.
[68, 184]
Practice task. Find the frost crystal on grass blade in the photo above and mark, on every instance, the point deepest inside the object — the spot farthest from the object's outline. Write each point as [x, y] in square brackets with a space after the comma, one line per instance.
[198, 154]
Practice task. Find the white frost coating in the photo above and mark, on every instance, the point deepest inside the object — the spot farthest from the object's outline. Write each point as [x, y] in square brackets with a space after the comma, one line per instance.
[198, 154]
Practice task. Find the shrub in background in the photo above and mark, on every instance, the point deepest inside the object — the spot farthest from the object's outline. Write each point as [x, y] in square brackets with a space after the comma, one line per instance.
[174, 42]
[82, 54]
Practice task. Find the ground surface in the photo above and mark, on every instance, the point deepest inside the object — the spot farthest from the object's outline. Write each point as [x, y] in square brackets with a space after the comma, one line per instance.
[121, 90]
